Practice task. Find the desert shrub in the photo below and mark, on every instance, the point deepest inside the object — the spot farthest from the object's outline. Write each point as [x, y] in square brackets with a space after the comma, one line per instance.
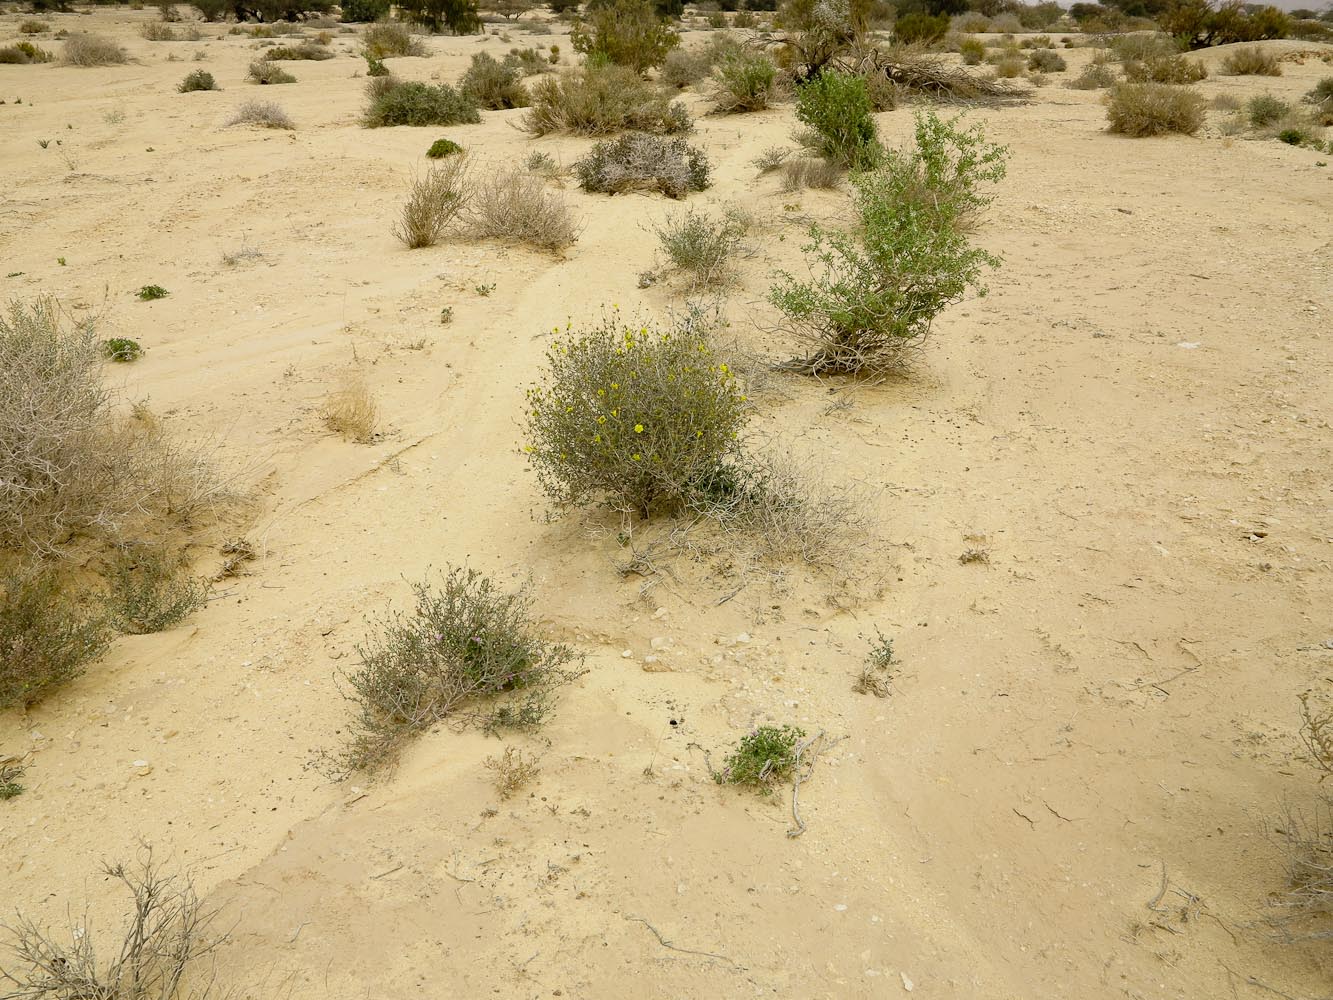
[305, 51]
[264, 72]
[1146, 109]
[200, 79]
[639, 161]
[625, 32]
[684, 67]
[33, 27]
[602, 100]
[883, 284]
[10, 773]
[744, 82]
[23, 54]
[836, 110]
[92, 50]
[514, 206]
[489, 83]
[156, 31]
[1197, 24]
[703, 245]
[809, 172]
[1010, 67]
[1165, 69]
[46, 640]
[150, 590]
[972, 51]
[1140, 47]
[363, 10]
[1265, 109]
[632, 416]
[121, 349]
[151, 293]
[923, 28]
[389, 38]
[879, 669]
[441, 148]
[351, 410]
[395, 102]
[770, 159]
[1321, 92]
[458, 16]
[1046, 61]
[763, 758]
[1095, 76]
[265, 114]
[466, 641]
[1294, 136]
[512, 771]
[167, 932]
[1251, 61]
[435, 200]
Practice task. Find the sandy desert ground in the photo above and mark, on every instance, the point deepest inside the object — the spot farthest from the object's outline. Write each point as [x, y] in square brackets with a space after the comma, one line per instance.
[1134, 425]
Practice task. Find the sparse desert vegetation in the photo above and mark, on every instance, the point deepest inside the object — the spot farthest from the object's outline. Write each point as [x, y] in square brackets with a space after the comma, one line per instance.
[743, 488]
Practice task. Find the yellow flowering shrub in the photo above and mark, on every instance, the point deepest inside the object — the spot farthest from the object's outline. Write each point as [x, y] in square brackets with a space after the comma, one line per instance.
[632, 415]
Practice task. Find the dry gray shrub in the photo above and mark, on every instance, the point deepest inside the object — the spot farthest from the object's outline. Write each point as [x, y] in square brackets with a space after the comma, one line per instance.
[435, 200]
[350, 410]
[92, 50]
[166, 937]
[705, 246]
[811, 172]
[512, 771]
[514, 205]
[265, 114]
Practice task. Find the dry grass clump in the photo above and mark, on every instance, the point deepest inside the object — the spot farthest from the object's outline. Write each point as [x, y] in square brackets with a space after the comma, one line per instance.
[46, 638]
[24, 54]
[1251, 60]
[1173, 68]
[264, 114]
[157, 31]
[1305, 908]
[1147, 109]
[33, 27]
[639, 162]
[389, 38]
[92, 50]
[1095, 76]
[1046, 61]
[746, 81]
[310, 51]
[264, 72]
[702, 245]
[494, 84]
[168, 932]
[917, 71]
[466, 641]
[600, 100]
[512, 771]
[435, 200]
[811, 172]
[350, 410]
[513, 205]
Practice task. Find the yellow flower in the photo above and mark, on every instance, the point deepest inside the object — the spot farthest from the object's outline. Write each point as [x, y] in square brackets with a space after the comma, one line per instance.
[698, 434]
[636, 456]
[638, 428]
[615, 413]
[597, 439]
[722, 368]
[615, 385]
[601, 392]
[601, 420]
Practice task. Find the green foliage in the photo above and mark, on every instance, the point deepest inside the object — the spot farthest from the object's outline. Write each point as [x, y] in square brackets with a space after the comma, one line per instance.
[638, 161]
[1265, 109]
[632, 415]
[489, 83]
[702, 245]
[150, 590]
[600, 100]
[880, 668]
[1095, 76]
[305, 51]
[1046, 61]
[457, 16]
[10, 788]
[763, 758]
[395, 102]
[746, 81]
[441, 148]
[684, 67]
[466, 641]
[1174, 68]
[200, 79]
[883, 283]
[121, 349]
[919, 28]
[387, 39]
[1197, 24]
[972, 51]
[150, 292]
[264, 72]
[24, 53]
[836, 109]
[625, 32]
[45, 640]
[1251, 61]
[1294, 136]
[1147, 109]
[363, 10]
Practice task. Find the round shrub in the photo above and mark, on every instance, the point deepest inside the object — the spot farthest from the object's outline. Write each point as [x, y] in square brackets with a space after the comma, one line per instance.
[744, 82]
[441, 148]
[1144, 109]
[1046, 61]
[632, 416]
[200, 79]
[121, 349]
[836, 109]
[363, 10]
[972, 51]
[637, 161]
[396, 103]
[1265, 109]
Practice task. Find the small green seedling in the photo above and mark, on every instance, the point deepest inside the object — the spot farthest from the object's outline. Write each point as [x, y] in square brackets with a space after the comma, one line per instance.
[150, 292]
[121, 349]
[485, 290]
[762, 758]
[441, 148]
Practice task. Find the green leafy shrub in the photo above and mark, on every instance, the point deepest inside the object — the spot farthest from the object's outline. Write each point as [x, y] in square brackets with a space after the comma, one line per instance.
[1265, 109]
[23, 54]
[885, 282]
[625, 32]
[921, 28]
[148, 293]
[121, 349]
[599, 100]
[441, 148]
[10, 786]
[458, 16]
[632, 416]
[1046, 61]
[744, 82]
[703, 245]
[1322, 99]
[394, 102]
[264, 72]
[489, 83]
[200, 79]
[363, 10]
[1095, 76]
[466, 641]
[1251, 61]
[1165, 69]
[762, 758]
[1147, 109]
[836, 110]
[309, 51]
[45, 639]
[388, 39]
[972, 51]
[1294, 136]
[92, 50]
[1010, 67]
[151, 591]
[638, 161]
[879, 669]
